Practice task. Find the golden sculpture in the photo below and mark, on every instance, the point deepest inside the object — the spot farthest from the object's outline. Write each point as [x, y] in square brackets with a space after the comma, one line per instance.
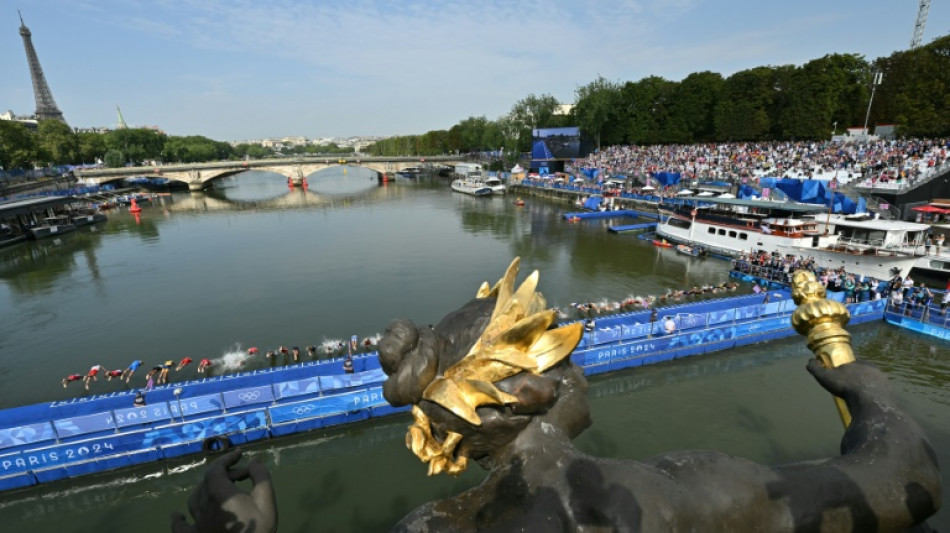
[823, 321]
[516, 339]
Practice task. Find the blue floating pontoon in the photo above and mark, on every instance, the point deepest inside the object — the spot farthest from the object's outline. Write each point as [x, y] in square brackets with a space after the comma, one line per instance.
[65, 439]
[601, 214]
[632, 227]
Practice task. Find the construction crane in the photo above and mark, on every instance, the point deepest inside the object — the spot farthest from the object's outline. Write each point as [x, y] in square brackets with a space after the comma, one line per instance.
[922, 10]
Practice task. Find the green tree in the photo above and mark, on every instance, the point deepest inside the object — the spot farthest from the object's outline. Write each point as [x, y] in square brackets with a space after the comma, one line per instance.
[915, 92]
[643, 112]
[18, 147]
[532, 112]
[92, 146]
[594, 106]
[694, 105]
[114, 159]
[820, 93]
[195, 149]
[137, 144]
[57, 142]
[743, 110]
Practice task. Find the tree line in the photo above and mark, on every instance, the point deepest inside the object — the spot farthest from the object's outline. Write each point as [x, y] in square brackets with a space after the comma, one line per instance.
[55, 143]
[784, 102]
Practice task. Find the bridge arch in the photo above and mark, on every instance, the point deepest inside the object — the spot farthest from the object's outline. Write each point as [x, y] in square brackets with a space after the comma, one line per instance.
[200, 175]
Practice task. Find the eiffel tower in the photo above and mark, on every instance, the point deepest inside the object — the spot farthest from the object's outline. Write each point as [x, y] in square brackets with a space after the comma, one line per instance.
[45, 105]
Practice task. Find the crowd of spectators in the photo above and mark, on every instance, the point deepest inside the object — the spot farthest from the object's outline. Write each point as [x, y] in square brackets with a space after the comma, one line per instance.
[902, 292]
[872, 162]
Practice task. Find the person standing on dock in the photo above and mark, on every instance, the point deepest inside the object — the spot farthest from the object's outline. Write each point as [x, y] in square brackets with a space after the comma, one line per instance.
[296, 353]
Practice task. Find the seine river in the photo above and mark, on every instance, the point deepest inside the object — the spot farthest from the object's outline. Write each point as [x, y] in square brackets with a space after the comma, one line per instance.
[255, 264]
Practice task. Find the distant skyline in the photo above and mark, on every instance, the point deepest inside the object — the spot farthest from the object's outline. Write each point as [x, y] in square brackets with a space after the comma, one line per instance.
[237, 69]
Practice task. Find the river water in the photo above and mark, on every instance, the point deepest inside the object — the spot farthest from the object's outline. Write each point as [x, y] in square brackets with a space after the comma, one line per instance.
[253, 263]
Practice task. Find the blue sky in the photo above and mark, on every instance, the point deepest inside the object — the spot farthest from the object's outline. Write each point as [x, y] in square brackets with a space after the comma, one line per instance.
[235, 69]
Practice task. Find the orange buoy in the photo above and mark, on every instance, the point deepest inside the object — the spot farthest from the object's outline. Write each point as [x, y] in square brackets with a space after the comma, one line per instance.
[134, 208]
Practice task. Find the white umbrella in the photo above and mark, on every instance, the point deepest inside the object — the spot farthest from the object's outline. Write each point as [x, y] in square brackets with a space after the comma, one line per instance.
[727, 195]
[684, 192]
[648, 188]
[706, 193]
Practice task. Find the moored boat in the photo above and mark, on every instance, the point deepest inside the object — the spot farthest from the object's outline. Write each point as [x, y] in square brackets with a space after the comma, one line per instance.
[733, 226]
[85, 216]
[51, 227]
[474, 187]
[496, 185]
[694, 251]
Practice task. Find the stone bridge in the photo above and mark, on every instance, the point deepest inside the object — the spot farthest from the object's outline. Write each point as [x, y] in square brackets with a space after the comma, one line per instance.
[198, 176]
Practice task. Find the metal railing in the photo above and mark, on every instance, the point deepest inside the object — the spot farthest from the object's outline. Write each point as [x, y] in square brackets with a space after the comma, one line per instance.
[931, 313]
[909, 183]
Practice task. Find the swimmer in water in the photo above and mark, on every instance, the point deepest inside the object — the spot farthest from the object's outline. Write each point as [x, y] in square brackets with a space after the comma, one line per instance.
[70, 378]
[203, 365]
[114, 374]
[128, 372]
[183, 363]
[312, 351]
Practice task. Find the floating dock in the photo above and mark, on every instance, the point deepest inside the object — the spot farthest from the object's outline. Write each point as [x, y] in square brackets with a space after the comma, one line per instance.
[633, 227]
[584, 215]
[930, 320]
[47, 442]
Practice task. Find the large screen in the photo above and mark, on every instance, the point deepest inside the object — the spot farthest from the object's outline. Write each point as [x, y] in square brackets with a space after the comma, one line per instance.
[556, 143]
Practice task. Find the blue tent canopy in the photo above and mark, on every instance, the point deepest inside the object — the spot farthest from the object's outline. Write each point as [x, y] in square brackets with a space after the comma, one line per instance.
[667, 178]
[593, 203]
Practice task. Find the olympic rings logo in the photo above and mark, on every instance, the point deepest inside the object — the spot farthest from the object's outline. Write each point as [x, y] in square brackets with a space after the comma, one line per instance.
[249, 396]
[304, 409]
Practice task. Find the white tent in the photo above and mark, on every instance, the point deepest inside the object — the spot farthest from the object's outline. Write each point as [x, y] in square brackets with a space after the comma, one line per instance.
[684, 192]
[648, 188]
[727, 195]
[706, 193]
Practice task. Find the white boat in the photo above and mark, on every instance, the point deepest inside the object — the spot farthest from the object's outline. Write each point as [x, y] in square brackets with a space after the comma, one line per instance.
[496, 185]
[878, 263]
[901, 236]
[732, 226]
[473, 185]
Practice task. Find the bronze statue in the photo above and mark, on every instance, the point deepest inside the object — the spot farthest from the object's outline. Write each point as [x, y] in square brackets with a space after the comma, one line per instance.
[492, 383]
